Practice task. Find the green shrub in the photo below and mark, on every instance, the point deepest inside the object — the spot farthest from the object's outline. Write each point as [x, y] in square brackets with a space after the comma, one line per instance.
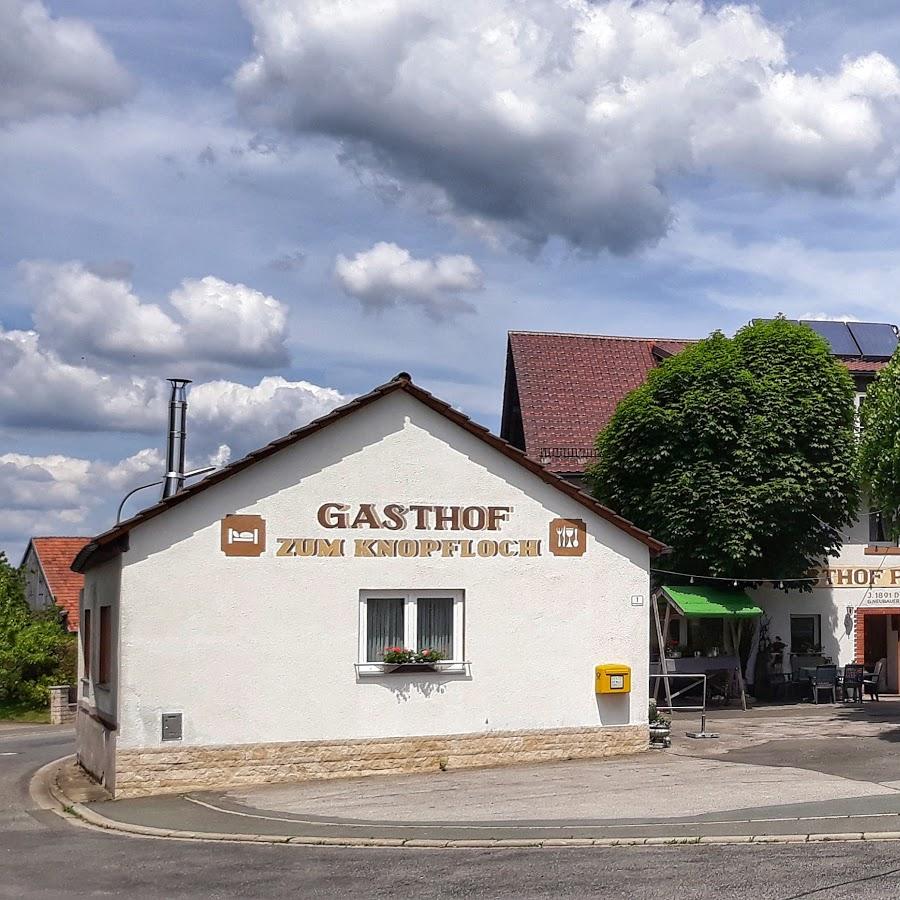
[35, 649]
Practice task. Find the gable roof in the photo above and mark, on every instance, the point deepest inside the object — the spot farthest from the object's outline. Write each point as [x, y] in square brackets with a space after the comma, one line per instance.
[113, 541]
[55, 556]
[562, 389]
[567, 386]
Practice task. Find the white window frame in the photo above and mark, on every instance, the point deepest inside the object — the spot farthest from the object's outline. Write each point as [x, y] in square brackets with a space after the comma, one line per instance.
[457, 662]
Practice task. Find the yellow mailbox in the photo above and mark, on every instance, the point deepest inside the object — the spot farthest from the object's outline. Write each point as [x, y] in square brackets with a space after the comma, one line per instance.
[612, 678]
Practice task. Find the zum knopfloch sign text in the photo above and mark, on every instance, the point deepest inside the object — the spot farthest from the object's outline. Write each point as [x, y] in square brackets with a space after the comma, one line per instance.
[245, 535]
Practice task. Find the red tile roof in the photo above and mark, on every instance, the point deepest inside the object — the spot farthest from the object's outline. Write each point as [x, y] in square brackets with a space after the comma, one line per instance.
[865, 365]
[55, 555]
[570, 384]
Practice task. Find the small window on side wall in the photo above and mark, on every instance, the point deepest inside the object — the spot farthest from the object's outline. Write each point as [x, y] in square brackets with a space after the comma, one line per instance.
[86, 643]
[105, 662]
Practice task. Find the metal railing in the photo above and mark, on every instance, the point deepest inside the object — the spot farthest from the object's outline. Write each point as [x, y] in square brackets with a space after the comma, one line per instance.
[695, 679]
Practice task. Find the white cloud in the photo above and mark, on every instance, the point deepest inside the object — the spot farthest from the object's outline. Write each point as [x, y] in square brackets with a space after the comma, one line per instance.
[253, 415]
[231, 322]
[40, 390]
[566, 117]
[387, 275]
[80, 314]
[58, 494]
[52, 65]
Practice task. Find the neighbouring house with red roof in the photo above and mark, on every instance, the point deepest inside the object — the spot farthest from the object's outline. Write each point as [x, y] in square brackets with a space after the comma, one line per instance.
[49, 578]
[562, 389]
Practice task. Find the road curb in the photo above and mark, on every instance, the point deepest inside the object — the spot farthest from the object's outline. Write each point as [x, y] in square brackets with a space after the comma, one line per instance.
[44, 785]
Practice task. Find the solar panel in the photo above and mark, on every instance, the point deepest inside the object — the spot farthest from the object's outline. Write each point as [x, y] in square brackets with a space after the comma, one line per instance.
[874, 339]
[837, 334]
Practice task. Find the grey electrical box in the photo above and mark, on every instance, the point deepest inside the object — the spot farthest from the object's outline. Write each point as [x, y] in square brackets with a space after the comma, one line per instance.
[171, 726]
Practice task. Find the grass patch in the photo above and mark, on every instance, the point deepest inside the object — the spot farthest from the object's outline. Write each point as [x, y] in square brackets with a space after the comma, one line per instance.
[17, 712]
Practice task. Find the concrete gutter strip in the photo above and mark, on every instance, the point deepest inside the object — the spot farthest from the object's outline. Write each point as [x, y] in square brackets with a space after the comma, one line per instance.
[44, 784]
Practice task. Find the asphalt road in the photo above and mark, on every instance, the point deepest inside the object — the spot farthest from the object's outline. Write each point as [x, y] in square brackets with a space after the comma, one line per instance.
[41, 856]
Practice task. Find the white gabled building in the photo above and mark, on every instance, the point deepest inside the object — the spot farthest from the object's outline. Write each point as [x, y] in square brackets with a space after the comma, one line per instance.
[234, 633]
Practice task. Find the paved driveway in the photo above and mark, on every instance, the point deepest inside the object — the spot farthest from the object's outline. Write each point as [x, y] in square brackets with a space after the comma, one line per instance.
[798, 771]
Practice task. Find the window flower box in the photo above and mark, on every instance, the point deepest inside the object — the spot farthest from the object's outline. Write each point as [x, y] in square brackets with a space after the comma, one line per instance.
[411, 660]
[409, 667]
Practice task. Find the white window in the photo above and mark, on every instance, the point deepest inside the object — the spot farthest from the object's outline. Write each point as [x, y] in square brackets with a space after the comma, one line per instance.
[413, 620]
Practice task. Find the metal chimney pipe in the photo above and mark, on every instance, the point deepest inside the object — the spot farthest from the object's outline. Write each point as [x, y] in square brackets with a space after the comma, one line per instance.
[174, 477]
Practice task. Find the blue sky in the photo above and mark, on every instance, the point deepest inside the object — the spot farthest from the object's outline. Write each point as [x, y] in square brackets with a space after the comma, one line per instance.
[289, 201]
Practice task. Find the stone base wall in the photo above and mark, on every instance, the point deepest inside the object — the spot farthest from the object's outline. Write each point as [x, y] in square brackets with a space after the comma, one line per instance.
[62, 712]
[177, 769]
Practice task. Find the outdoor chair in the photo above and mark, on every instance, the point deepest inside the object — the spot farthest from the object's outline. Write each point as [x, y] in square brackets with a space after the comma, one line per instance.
[871, 681]
[852, 682]
[824, 679]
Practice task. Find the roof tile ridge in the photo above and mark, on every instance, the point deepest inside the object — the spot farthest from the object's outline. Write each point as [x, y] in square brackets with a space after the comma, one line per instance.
[608, 337]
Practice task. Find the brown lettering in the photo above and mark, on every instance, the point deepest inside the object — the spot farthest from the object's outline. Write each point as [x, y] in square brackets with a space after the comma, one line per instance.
[366, 517]
[407, 548]
[506, 548]
[385, 548]
[842, 576]
[465, 549]
[860, 576]
[429, 546]
[330, 548]
[421, 516]
[363, 548]
[446, 518]
[394, 518]
[306, 546]
[449, 548]
[474, 518]
[333, 515]
[286, 547]
[529, 548]
[487, 548]
[497, 515]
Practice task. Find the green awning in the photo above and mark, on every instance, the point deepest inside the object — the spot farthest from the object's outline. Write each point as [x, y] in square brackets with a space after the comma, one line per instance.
[698, 601]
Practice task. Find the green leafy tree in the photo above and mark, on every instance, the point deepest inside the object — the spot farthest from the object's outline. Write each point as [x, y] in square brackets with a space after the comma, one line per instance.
[35, 650]
[739, 453]
[879, 448]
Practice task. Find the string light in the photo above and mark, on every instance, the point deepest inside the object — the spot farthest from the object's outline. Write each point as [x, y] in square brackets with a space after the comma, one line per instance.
[780, 581]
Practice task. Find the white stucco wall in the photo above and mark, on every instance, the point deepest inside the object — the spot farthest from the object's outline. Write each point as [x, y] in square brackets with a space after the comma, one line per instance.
[832, 603]
[96, 743]
[263, 649]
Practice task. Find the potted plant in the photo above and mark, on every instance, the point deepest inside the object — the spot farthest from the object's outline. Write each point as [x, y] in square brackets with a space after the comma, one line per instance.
[401, 659]
[660, 728]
